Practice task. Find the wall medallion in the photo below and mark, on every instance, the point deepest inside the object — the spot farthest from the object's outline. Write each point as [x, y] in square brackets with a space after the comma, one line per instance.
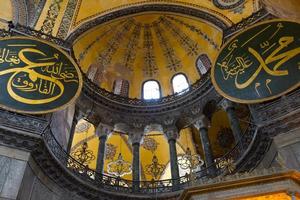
[110, 151]
[149, 144]
[259, 64]
[36, 77]
[227, 4]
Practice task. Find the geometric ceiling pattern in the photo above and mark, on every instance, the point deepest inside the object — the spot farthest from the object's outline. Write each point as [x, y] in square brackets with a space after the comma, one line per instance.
[229, 11]
[61, 18]
[142, 39]
[146, 46]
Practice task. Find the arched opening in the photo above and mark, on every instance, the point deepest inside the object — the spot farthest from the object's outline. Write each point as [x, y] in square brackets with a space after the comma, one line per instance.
[203, 64]
[121, 87]
[151, 90]
[180, 83]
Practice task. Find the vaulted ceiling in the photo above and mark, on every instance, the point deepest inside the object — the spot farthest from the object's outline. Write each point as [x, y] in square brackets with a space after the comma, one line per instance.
[147, 46]
[70, 15]
[132, 39]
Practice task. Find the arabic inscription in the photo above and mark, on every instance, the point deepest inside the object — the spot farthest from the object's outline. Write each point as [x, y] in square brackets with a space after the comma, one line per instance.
[36, 77]
[260, 63]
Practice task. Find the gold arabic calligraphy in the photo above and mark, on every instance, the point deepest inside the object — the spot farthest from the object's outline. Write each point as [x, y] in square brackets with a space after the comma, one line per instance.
[43, 78]
[235, 67]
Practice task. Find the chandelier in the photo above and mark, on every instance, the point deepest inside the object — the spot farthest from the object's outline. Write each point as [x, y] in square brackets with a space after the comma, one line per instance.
[155, 169]
[119, 167]
[83, 154]
[226, 164]
[190, 162]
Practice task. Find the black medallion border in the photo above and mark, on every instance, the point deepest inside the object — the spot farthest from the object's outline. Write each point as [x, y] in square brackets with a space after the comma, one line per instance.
[220, 6]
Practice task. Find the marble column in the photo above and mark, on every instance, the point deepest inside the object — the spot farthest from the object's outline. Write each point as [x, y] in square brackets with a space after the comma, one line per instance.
[77, 116]
[172, 135]
[292, 194]
[135, 137]
[102, 131]
[202, 125]
[228, 106]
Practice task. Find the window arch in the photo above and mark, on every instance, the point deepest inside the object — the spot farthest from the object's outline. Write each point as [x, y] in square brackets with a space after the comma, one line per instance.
[151, 90]
[203, 64]
[121, 87]
[179, 83]
[91, 73]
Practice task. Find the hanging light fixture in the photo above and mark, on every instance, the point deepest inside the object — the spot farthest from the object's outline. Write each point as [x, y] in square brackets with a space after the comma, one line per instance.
[119, 167]
[190, 161]
[155, 169]
[227, 164]
[83, 154]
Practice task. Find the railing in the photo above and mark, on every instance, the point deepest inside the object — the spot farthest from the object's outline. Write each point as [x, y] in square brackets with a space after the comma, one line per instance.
[93, 89]
[112, 183]
[22, 123]
[269, 112]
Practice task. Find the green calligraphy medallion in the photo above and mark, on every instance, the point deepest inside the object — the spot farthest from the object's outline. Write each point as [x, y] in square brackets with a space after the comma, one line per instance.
[259, 64]
[36, 77]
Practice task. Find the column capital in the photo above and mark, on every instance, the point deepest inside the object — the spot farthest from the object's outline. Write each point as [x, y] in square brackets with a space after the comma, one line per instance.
[136, 136]
[201, 122]
[171, 133]
[78, 115]
[103, 130]
[226, 104]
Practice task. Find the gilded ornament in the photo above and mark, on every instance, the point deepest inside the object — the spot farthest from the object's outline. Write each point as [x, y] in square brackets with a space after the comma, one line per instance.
[155, 169]
[150, 144]
[110, 151]
[190, 162]
[83, 155]
[119, 167]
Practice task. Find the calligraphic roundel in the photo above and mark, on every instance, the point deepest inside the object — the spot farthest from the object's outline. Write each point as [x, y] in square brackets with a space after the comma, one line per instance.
[259, 64]
[36, 77]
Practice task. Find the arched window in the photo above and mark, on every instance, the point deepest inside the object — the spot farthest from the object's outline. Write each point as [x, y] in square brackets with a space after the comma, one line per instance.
[151, 90]
[179, 83]
[91, 73]
[121, 87]
[203, 64]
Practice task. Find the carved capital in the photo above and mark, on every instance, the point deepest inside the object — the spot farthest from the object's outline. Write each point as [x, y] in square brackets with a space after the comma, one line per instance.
[136, 136]
[171, 133]
[201, 122]
[153, 127]
[196, 110]
[103, 130]
[168, 121]
[226, 104]
[78, 114]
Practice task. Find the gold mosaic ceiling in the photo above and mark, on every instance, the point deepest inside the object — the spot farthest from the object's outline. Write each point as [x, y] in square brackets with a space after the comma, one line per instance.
[150, 45]
[140, 46]
[75, 13]
[146, 46]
